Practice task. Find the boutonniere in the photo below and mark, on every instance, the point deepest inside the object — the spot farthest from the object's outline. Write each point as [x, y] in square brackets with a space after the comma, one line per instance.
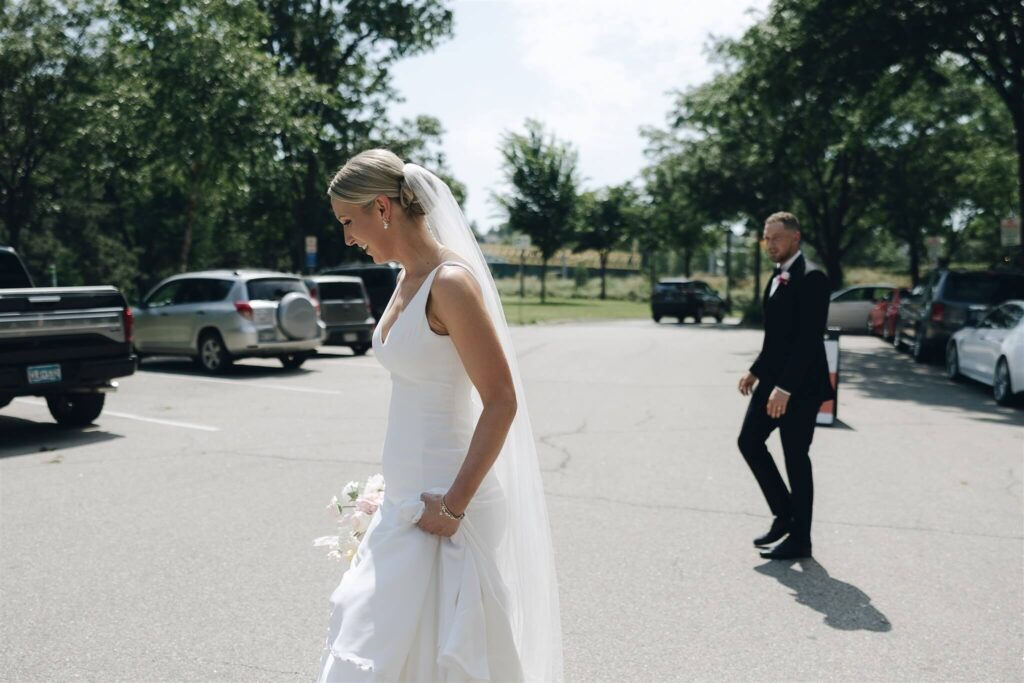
[783, 278]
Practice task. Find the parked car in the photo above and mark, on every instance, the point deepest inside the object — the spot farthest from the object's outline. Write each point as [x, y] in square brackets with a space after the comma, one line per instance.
[848, 308]
[380, 280]
[681, 298]
[221, 315]
[991, 351]
[64, 344]
[345, 310]
[882, 318]
[946, 299]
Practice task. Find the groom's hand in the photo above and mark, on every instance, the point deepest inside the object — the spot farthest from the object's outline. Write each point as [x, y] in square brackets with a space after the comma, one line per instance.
[777, 403]
[747, 383]
[433, 521]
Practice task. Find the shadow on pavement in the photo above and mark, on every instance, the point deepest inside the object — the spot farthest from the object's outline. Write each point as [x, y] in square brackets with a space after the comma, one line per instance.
[239, 370]
[888, 374]
[28, 437]
[846, 607]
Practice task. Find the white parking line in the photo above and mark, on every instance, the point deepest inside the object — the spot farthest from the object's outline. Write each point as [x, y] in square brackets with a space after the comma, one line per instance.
[128, 416]
[260, 385]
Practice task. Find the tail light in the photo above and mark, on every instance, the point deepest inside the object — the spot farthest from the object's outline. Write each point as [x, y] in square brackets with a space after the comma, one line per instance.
[244, 309]
[938, 312]
[129, 324]
[314, 296]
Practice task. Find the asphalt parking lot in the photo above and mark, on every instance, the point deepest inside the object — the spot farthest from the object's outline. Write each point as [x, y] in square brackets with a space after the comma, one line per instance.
[173, 540]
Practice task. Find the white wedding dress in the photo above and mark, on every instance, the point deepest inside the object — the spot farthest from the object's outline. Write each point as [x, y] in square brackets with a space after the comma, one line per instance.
[413, 606]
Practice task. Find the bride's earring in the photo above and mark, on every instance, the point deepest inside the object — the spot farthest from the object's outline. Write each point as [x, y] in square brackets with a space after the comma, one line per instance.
[387, 224]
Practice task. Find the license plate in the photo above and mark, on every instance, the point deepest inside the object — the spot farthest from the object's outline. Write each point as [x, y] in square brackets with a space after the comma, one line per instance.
[268, 335]
[44, 374]
[350, 336]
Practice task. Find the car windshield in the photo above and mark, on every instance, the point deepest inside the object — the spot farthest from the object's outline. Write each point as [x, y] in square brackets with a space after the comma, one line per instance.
[984, 288]
[274, 289]
[12, 275]
[340, 290]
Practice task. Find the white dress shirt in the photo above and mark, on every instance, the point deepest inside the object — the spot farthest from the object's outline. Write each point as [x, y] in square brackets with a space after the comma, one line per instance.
[775, 285]
[785, 269]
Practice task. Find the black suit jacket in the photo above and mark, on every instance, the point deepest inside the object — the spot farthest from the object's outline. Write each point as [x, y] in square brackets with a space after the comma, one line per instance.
[793, 351]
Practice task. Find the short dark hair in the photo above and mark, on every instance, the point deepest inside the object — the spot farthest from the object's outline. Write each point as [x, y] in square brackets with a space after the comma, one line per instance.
[787, 219]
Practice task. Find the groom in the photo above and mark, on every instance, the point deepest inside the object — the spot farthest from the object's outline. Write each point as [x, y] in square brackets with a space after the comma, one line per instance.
[791, 378]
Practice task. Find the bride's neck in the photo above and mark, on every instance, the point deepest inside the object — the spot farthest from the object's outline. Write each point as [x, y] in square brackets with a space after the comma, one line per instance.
[419, 253]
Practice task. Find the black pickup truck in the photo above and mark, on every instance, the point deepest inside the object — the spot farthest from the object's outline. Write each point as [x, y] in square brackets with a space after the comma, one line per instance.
[65, 344]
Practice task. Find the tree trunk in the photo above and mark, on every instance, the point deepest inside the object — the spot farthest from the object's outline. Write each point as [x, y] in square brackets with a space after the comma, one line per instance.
[1018, 125]
[757, 270]
[915, 262]
[186, 243]
[604, 268]
[543, 278]
[728, 267]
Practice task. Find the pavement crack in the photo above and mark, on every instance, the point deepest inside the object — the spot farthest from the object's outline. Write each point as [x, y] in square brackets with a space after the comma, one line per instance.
[739, 513]
[259, 668]
[566, 455]
[1011, 486]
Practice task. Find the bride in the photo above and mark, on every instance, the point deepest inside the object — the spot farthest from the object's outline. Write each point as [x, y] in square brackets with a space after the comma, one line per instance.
[454, 580]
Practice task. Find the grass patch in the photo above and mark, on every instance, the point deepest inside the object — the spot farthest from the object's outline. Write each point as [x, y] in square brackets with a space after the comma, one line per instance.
[531, 310]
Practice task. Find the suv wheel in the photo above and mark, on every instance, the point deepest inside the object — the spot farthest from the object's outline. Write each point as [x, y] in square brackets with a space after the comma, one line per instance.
[657, 318]
[75, 410]
[213, 355]
[698, 316]
[952, 362]
[919, 351]
[1002, 390]
[360, 349]
[293, 361]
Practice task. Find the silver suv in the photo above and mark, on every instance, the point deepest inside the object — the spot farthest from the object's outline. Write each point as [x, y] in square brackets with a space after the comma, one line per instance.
[219, 315]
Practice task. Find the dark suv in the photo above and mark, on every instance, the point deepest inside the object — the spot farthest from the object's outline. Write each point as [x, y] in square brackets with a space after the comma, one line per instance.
[380, 281]
[345, 310]
[944, 302]
[681, 298]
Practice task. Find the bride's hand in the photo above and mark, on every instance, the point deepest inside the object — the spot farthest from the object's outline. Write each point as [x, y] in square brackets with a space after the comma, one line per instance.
[433, 520]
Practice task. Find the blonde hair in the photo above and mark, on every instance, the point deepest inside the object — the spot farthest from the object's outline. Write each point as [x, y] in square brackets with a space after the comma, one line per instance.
[788, 220]
[371, 174]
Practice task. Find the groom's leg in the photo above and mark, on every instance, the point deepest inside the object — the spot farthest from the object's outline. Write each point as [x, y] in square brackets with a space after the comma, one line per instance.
[757, 426]
[797, 432]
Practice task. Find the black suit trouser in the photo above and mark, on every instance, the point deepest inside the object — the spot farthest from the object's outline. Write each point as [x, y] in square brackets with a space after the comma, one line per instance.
[796, 428]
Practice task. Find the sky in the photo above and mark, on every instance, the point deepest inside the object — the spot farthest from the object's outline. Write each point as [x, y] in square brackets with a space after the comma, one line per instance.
[594, 72]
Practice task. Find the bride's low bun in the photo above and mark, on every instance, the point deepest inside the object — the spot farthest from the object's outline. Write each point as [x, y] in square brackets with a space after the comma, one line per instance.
[371, 174]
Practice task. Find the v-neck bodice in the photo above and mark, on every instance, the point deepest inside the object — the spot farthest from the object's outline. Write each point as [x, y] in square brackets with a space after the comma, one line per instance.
[431, 417]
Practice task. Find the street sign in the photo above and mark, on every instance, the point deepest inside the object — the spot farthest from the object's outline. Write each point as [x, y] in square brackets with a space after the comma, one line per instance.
[522, 242]
[311, 244]
[1009, 231]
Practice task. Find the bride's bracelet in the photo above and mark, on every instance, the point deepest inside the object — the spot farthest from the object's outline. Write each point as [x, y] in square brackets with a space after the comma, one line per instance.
[448, 513]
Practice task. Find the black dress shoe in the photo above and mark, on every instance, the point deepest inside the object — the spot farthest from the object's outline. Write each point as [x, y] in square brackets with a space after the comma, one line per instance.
[780, 527]
[789, 549]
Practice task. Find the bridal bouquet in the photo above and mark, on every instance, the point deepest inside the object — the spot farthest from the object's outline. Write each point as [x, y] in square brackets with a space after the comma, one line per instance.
[353, 511]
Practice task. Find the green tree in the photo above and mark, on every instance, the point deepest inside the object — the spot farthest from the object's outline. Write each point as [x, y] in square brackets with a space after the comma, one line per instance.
[348, 48]
[48, 70]
[541, 201]
[912, 37]
[607, 220]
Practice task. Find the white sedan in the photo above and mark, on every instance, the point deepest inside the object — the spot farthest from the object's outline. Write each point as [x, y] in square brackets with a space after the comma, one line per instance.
[991, 351]
[848, 308]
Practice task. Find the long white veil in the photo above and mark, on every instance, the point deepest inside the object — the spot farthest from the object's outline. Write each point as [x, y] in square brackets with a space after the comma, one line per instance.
[525, 558]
